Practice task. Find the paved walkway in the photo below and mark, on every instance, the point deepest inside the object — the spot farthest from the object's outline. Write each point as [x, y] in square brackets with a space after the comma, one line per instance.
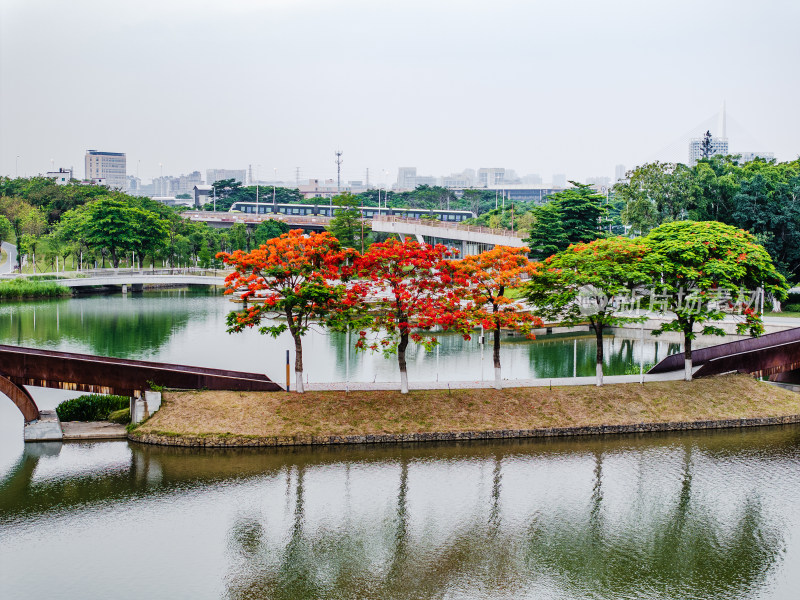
[93, 430]
[507, 383]
[11, 261]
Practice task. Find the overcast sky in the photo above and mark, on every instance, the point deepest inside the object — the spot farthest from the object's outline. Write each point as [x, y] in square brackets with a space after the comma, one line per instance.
[563, 86]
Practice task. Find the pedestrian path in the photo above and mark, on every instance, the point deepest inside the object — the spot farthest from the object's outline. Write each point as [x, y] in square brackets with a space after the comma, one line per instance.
[507, 383]
[11, 258]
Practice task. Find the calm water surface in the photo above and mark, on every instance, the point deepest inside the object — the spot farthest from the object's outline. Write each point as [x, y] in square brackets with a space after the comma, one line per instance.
[188, 327]
[694, 515]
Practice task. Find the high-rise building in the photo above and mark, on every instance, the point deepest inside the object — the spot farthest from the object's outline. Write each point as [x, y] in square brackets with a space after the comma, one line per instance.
[746, 157]
[559, 180]
[488, 177]
[598, 181]
[213, 175]
[464, 179]
[533, 178]
[619, 173]
[406, 178]
[134, 187]
[108, 166]
[718, 145]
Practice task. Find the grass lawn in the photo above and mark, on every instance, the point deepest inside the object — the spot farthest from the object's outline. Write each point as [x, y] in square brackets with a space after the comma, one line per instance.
[785, 314]
[267, 414]
[3, 256]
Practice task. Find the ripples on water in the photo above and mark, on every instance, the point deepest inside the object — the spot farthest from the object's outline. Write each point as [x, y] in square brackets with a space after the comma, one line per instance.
[702, 515]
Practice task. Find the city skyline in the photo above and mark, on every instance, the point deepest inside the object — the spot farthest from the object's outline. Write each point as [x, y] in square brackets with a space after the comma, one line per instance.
[436, 86]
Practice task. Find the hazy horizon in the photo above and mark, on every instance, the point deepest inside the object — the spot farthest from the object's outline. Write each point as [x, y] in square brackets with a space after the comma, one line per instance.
[573, 87]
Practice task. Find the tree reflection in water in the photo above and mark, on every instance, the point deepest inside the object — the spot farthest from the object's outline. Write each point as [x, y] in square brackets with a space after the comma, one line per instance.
[501, 549]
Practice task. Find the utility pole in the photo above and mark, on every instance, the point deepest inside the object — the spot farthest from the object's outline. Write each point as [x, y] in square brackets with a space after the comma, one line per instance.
[338, 171]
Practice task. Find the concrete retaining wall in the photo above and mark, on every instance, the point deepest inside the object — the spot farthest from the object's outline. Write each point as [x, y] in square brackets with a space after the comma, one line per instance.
[220, 441]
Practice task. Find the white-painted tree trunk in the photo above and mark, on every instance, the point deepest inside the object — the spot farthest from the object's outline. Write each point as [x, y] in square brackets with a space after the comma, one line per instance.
[498, 380]
[403, 382]
[599, 373]
[687, 363]
[298, 384]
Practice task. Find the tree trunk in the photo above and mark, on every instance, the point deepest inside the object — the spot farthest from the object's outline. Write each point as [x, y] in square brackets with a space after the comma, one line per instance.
[498, 381]
[401, 361]
[298, 362]
[598, 331]
[687, 356]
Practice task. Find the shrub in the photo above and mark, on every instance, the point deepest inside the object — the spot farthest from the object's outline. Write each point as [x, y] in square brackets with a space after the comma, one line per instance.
[633, 369]
[14, 289]
[123, 417]
[91, 407]
[791, 308]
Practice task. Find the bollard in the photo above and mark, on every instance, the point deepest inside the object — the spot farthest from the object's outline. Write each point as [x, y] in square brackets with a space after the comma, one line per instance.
[287, 370]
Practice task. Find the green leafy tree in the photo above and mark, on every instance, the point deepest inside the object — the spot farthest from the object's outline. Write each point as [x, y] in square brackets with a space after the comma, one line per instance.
[767, 204]
[115, 226]
[25, 219]
[204, 256]
[547, 234]
[110, 226]
[578, 285]
[581, 212]
[239, 237]
[704, 270]
[5, 229]
[268, 230]
[655, 193]
[346, 224]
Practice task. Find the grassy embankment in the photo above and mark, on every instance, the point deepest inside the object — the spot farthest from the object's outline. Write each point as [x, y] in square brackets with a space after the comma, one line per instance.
[18, 289]
[270, 414]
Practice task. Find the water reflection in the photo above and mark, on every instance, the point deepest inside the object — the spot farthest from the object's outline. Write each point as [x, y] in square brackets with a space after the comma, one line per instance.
[702, 515]
[106, 325]
[188, 327]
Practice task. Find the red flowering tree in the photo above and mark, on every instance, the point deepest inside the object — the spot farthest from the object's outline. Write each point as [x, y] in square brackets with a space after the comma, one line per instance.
[292, 277]
[410, 289]
[491, 275]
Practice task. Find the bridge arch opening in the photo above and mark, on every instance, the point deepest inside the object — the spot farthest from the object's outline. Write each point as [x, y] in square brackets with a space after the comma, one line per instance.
[20, 396]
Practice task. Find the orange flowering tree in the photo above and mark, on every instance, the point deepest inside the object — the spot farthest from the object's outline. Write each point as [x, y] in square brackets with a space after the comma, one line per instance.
[291, 277]
[581, 284]
[410, 289]
[491, 274]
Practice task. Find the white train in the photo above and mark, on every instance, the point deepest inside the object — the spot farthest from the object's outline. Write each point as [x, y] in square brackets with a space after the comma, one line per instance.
[368, 212]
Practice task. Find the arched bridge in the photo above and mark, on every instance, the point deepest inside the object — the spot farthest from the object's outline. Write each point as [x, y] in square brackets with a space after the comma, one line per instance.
[103, 375]
[136, 277]
[774, 355]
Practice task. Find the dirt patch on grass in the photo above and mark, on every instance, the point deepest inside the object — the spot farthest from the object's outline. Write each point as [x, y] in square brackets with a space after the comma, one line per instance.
[267, 414]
